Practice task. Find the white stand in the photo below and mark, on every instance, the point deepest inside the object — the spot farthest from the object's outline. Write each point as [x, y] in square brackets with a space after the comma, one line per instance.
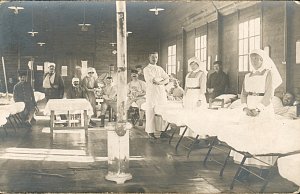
[118, 156]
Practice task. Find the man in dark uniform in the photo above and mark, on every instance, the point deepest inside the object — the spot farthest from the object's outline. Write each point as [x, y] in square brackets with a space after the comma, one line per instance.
[23, 92]
[53, 84]
[217, 82]
[76, 91]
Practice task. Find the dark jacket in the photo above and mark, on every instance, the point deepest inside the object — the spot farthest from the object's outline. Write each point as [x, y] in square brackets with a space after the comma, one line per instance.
[219, 81]
[23, 92]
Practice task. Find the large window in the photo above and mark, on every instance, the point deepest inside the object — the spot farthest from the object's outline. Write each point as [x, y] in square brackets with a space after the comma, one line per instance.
[201, 49]
[249, 39]
[171, 66]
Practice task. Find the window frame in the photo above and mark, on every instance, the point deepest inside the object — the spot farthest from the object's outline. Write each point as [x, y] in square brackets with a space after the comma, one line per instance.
[172, 60]
[201, 49]
[249, 38]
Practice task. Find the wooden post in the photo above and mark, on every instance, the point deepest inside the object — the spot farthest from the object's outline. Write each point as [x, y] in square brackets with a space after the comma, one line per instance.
[118, 134]
[5, 80]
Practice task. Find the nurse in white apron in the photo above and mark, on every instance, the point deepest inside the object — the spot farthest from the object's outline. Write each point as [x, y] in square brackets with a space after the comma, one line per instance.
[195, 85]
[195, 88]
[258, 90]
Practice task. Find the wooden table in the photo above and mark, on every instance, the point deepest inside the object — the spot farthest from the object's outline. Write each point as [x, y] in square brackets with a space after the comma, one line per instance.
[70, 108]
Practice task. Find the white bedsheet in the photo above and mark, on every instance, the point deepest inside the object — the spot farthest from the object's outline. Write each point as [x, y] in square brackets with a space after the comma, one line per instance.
[282, 137]
[289, 168]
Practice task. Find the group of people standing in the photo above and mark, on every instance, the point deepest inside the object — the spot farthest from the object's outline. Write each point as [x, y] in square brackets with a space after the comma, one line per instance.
[194, 94]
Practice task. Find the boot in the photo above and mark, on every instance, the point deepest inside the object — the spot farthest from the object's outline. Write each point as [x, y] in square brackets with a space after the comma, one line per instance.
[102, 117]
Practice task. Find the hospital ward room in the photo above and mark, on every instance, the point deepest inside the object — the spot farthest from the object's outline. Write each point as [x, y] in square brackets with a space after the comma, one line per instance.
[149, 96]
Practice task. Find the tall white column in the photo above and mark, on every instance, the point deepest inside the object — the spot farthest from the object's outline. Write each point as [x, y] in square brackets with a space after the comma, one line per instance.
[118, 134]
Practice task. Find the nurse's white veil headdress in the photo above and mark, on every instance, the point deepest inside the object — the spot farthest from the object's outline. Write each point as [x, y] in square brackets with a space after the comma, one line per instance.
[268, 63]
[201, 65]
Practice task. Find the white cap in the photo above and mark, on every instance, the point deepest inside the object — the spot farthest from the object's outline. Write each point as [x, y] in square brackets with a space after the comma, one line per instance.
[51, 64]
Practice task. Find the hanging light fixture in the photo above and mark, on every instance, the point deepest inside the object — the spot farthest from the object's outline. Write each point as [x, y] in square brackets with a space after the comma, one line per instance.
[84, 26]
[32, 32]
[156, 10]
[41, 43]
[16, 9]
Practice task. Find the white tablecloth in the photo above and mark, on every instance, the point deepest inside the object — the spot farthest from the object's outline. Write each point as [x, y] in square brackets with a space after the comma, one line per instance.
[289, 168]
[62, 106]
[39, 96]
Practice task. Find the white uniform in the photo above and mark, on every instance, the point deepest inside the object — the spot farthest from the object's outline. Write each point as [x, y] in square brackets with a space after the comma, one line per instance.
[195, 90]
[155, 94]
[255, 86]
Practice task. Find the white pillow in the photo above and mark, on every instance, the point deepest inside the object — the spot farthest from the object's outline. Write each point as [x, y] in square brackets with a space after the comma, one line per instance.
[227, 97]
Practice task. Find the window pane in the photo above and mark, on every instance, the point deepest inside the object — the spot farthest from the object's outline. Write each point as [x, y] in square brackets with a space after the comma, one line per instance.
[241, 63]
[251, 28]
[257, 42]
[257, 26]
[251, 44]
[250, 66]
[246, 46]
[245, 29]
[204, 54]
[197, 54]
[204, 41]
[169, 60]
[241, 31]
[174, 60]
[169, 51]
[241, 47]
[246, 63]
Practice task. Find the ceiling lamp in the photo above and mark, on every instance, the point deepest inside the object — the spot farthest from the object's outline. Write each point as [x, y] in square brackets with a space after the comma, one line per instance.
[84, 26]
[41, 43]
[113, 44]
[128, 32]
[156, 10]
[297, 2]
[32, 33]
[15, 9]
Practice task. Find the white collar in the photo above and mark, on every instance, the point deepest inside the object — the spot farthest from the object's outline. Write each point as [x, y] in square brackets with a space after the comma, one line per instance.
[258, 70]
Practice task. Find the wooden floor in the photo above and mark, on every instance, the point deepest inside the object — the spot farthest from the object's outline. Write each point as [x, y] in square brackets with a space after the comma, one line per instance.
[28, 163]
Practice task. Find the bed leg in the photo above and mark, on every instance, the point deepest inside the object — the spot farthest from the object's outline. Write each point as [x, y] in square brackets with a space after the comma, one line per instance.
[167, 127]
[225, 162]
[238, 172]
[191, 146]
[209, 150]
[173, 135]
[16, 121]
[185, 129]
[11, 123]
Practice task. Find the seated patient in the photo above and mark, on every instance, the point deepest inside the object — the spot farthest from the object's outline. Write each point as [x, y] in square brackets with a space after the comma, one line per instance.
[136, 93]
[77, 91]
[284, 106]
[23, 92]
[176, 93]
[110, 99]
